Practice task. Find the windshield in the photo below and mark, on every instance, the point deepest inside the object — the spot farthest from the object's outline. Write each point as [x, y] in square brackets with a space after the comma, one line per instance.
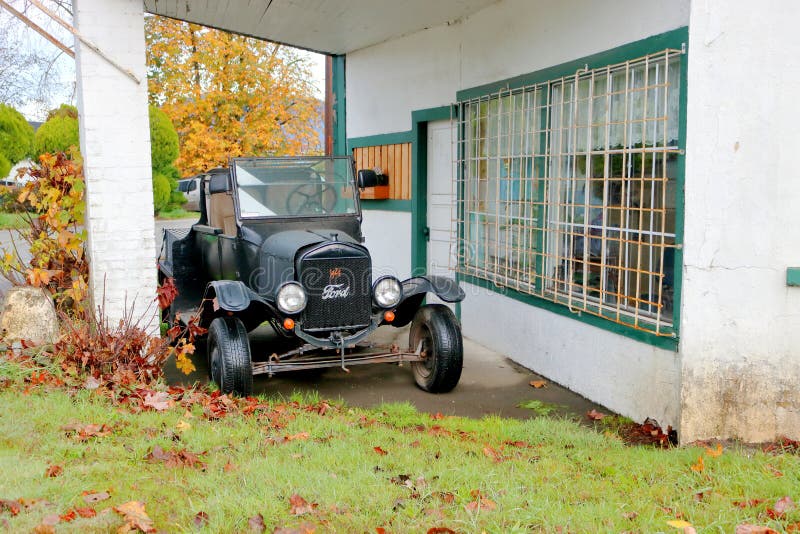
[294, 187]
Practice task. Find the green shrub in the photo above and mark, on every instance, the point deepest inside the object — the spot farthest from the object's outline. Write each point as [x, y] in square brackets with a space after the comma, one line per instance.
[163, 141]
[64, 110]
[56, 135]
[16, 136]
[5, 166]
[60, 131]
[162, 191]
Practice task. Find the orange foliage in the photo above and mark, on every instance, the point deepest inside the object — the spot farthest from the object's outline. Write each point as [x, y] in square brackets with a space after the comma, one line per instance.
[230, 95]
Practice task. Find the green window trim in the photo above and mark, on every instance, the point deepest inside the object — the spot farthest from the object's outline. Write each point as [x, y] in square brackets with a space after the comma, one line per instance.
[339, 106]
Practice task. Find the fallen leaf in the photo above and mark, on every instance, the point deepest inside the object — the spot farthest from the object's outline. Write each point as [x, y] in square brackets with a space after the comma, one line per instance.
[91, 383]
[777, 473]
[298, 436]
[179, 458]
[699, 466]
[53, 471]
[750, 503]
[303, 528]
[135, 517]
[538, 384]
[69, 516]
[745, 528]
[200, 519]
[480, 502]
[594, 415]
[679, 523]
[256, 523]
[90, 498]
[380, 530]
[182, 426]
[630, 515]
[716, 452]
[492, 453]
[13, 507]
[441, 530]
[86, 512]
[300, 506]
[158, 400]
[380, 451]
[781, 507]
[82, 432]
[446, 497]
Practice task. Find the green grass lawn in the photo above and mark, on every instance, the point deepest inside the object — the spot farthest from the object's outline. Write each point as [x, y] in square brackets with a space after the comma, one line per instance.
[12, 220]
[358, 470]
[178, 213]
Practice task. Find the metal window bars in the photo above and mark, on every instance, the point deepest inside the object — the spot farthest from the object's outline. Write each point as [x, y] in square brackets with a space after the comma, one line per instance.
[566, 190]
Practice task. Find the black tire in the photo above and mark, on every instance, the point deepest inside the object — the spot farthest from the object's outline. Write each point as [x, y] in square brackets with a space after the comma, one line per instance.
[438, 329]
[230, 364]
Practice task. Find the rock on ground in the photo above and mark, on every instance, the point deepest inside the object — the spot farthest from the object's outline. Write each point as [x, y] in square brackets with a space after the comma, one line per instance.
[29, 314]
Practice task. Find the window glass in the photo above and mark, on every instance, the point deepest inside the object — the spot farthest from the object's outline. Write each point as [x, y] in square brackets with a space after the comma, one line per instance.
[294, 187]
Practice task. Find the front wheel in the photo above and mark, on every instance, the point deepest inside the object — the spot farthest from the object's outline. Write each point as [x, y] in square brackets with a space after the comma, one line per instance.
[229, 356]
[436, 327]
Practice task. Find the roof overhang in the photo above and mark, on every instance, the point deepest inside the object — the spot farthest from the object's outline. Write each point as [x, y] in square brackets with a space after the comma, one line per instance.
[327, 26]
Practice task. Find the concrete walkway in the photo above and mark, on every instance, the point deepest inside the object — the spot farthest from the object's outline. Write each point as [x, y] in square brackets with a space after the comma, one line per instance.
[490, 383]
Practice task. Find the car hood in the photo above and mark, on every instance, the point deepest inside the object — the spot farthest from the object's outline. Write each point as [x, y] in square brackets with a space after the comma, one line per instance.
[284, 245]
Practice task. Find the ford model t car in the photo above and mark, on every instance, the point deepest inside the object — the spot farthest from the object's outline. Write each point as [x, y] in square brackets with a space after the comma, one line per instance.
[279, 241]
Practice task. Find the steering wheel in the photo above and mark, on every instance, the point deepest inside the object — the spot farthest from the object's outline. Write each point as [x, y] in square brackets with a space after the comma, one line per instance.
[310, 199]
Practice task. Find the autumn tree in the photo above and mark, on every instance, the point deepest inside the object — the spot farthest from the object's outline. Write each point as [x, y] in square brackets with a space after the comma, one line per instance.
[230, 95]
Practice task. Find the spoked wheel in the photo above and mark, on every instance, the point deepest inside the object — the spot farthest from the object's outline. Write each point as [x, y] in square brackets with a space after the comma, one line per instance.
[230, 364]
[436, 327]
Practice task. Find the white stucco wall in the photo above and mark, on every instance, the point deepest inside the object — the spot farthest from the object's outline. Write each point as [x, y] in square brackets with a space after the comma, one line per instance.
[115, 144]
[388, 236]
[634, 379]
[741, 324]
[385, 83]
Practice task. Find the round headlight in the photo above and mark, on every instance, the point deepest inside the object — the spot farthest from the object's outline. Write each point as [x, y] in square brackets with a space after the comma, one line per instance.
[291, 298]
[387, 292]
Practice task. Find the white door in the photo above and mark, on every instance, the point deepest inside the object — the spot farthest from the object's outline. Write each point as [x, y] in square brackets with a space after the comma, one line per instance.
[440, 198]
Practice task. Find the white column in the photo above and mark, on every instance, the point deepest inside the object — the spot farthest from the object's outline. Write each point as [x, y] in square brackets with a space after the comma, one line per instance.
[115, 143]
[740, 323]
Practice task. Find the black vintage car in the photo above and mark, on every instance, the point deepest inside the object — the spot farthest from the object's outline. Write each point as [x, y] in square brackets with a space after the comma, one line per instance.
[279, 241]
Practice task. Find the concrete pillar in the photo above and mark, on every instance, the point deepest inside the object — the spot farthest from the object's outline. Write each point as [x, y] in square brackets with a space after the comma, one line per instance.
[115, 142]
[740, 322]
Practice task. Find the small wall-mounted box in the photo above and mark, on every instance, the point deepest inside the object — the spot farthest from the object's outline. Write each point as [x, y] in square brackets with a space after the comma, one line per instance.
[793, 276]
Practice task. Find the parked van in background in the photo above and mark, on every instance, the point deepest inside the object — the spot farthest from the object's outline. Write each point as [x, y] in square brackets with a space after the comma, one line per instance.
[190, 187]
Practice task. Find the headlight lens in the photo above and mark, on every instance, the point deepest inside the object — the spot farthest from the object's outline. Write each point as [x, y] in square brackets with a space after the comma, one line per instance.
[291, 298]
[387, 292]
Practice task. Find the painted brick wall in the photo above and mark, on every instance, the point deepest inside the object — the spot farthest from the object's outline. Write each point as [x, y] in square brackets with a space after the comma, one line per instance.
[114, 136]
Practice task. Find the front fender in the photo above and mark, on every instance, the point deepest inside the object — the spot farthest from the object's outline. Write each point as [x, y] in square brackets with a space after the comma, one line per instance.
[235, 298]
[414, 291]
[445, 288]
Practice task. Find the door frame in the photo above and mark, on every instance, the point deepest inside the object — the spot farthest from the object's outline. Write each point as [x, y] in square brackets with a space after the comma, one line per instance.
[419, 186]
[419, 182]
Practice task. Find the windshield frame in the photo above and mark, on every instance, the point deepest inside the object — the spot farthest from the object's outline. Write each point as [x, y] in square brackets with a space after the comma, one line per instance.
[233, 162]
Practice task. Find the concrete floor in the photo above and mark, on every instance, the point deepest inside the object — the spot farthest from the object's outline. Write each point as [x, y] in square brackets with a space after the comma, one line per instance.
[490, 382]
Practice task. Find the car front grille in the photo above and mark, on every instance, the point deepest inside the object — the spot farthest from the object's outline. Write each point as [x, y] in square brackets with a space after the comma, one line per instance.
[338, 284]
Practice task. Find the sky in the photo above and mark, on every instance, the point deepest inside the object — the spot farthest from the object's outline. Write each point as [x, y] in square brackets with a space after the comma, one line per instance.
[63, 68]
